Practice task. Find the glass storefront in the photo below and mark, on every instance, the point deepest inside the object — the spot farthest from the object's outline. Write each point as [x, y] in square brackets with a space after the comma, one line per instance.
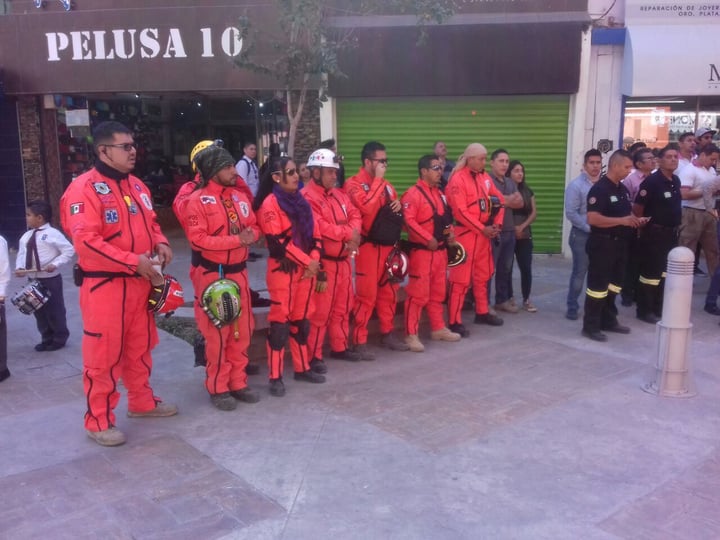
[656, 121]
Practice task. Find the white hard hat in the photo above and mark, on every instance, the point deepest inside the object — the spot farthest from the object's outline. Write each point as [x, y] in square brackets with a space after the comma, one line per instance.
[323, 158]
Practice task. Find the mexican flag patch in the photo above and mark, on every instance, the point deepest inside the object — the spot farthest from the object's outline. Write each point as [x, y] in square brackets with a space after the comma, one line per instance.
[77, 208]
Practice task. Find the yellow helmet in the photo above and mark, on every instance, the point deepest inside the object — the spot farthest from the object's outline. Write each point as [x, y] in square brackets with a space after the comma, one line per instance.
[202, 145]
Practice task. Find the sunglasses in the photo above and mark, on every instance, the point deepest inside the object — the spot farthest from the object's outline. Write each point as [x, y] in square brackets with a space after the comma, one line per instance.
[128, 147]
[437, 168]
[288, 172]
[384, 161]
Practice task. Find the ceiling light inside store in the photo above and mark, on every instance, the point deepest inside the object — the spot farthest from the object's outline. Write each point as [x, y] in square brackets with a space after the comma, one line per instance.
[653, 101]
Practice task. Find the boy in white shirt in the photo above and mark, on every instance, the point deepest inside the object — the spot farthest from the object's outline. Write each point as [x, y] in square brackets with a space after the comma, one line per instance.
[42, 250]
[4, 280]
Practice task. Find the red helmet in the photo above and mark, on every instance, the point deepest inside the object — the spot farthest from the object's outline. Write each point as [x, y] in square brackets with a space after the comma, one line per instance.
[166, 297]
[397, 265]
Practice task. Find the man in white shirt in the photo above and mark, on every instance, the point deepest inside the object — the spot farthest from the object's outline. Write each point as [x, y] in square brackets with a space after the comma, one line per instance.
[699, 225]
[247, 169]
[687, 145]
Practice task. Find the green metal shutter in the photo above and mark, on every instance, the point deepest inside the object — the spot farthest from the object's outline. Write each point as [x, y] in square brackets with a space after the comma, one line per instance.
[532, 129]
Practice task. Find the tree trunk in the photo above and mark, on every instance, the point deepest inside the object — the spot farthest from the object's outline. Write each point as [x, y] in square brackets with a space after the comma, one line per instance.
[294, 117]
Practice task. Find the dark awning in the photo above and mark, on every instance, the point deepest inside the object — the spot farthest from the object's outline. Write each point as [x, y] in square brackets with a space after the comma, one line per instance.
[457, 60]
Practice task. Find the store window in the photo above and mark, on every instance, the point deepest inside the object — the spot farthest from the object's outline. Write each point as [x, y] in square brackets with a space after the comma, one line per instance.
[657, 121]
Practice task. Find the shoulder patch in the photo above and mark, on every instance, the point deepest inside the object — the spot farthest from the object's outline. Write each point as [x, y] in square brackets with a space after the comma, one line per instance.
[207, 199]
[235, 197]
[146, 201]
[244, 208]
[77, 208]
[102, 188]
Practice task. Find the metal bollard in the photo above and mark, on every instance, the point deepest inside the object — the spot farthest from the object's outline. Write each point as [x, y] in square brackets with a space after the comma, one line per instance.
[671, 374]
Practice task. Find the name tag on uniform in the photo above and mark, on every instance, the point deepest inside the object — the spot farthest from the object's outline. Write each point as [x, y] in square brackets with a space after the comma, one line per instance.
[613, 198]
[667, 194]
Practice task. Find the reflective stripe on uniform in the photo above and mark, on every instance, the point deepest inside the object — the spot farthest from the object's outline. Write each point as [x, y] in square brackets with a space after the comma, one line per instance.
[596, 294]
[648, 281]
[614, 288]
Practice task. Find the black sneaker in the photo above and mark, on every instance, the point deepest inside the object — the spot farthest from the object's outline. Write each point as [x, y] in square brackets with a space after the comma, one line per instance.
[277, 387]
[350, 356]
[595, 335]
[389, 341]
[41, 347]
[224, 401]
[245, 395]
[362, 350]
[649, 318]
[489, 319]
[459, 329]
[318, 366]
[252, 369]
[617, 329]
[712, 309]
[4, 374]
[309, 376]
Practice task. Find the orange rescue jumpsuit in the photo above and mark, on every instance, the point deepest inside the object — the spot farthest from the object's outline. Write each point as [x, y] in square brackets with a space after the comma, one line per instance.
[111, 223]
[337, 218]
[469, 194]
[290, 295]
[181, 198]
[427, 270]
[214, 215]
[373, 288]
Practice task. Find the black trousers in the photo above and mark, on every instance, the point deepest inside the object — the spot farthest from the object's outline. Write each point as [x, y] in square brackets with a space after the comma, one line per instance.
[523, 255]
[606, 270]
[51, 318]
[3, 338]
[653, 246]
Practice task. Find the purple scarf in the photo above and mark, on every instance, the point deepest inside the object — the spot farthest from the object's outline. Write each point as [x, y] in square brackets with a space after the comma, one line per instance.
[300, 214]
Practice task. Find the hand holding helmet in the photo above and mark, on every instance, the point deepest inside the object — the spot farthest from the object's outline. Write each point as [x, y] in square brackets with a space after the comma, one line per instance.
[166, 296]
[397, 264]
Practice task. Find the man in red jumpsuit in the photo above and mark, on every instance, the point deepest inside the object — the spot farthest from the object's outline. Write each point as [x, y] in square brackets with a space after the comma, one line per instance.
[479, 221]
[381, 224]
[179, 207]
[293, 238]
[220, 226]
[339, 222]
[108, 213]
[428, 221]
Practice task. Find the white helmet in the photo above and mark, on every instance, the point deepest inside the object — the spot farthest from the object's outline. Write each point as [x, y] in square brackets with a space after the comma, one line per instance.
[323, 158]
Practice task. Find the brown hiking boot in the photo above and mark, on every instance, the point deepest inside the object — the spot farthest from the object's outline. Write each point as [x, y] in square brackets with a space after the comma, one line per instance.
[414, 343]
[444, 334]
[161, 409]
[107, 437]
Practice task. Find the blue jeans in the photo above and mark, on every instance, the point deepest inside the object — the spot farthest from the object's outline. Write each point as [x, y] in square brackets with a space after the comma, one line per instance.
[504, 253]
[577, 242]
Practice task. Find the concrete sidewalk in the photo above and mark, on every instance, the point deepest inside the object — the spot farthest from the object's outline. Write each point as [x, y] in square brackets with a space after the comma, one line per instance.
[523, 431]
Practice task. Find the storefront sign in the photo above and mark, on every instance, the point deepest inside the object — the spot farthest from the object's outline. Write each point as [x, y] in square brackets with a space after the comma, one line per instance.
[131, 43]
[671, 12]
[657, 62]
[141, 48]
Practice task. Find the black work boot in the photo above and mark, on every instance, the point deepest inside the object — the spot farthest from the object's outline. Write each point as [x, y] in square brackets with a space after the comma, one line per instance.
[309, 376]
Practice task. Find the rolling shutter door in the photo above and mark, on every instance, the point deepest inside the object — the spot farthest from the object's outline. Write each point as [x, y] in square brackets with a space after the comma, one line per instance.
[532, 129]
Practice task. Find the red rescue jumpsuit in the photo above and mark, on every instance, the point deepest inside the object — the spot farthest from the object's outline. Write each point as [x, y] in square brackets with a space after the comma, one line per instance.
[469, 194]
[373, 289]
[212, 213]
[290, 295]
[337, 218]
[112, 222]
[183, 194]
[427, 273]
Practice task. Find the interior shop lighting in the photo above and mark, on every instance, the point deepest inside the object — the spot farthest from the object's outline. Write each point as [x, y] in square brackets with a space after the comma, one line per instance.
[654, 101]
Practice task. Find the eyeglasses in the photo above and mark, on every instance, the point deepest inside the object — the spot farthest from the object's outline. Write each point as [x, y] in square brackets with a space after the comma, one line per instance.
[384, 161]
[437, 168]
[128, 147]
